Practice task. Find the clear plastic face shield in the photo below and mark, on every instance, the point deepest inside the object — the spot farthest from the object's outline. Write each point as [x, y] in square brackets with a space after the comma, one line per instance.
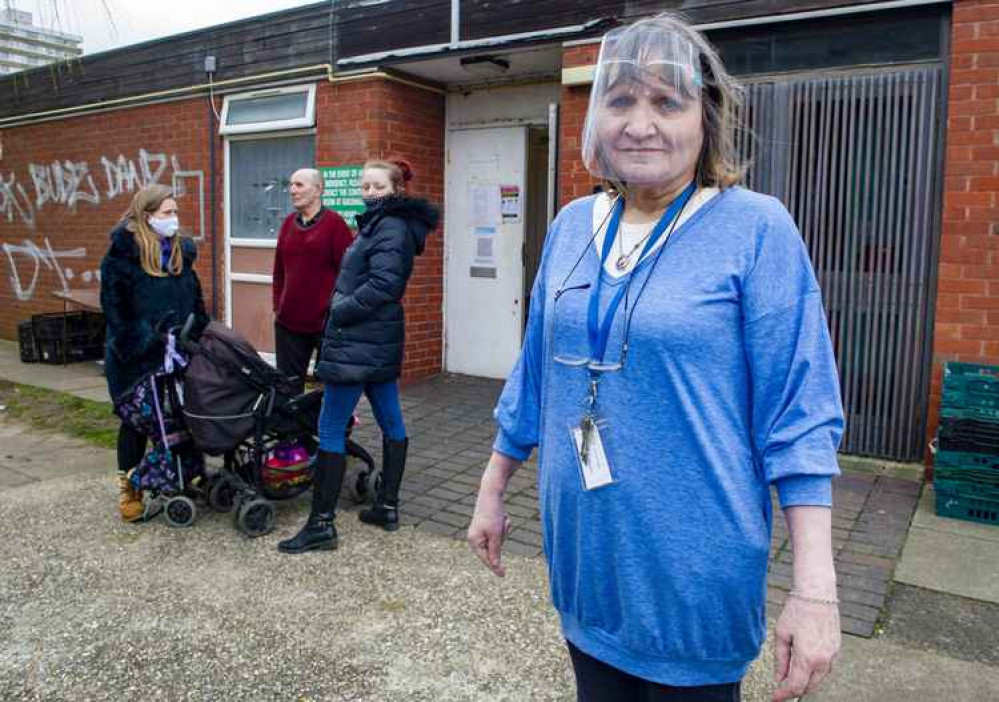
[644, 121]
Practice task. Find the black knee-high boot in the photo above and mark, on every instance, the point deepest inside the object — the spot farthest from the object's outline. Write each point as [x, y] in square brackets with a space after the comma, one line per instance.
[319, 533]
[385, 512]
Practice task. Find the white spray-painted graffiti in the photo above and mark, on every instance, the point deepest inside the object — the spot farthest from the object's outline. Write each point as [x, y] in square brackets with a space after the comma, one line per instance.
[40, 257]
[123, 176]
[67, 183]
[15, 201]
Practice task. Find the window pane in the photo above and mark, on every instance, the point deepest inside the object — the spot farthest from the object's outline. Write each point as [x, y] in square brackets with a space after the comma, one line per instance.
[259, 174]
[271, 108]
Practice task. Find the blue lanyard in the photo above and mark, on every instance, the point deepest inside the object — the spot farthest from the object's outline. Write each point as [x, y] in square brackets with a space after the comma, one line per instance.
[598, 333]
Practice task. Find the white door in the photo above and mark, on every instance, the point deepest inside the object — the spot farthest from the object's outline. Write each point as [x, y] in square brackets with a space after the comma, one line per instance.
[484, 226]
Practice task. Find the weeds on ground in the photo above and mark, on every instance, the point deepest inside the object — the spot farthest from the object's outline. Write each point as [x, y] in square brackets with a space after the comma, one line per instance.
[50, 410]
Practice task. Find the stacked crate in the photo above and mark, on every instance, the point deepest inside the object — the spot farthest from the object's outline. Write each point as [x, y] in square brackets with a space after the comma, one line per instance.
[966, 470]
[65, 337]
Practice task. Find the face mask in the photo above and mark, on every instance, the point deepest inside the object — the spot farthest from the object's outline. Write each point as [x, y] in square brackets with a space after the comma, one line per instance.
[373, 203]
[165, 227]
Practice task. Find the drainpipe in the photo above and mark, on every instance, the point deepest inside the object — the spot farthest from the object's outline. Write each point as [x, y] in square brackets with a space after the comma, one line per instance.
[212, 178]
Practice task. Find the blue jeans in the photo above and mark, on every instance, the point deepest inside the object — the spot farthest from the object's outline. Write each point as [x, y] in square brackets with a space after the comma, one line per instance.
[339, 402]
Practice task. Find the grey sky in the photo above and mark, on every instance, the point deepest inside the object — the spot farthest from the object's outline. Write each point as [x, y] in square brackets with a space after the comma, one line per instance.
[139, 20]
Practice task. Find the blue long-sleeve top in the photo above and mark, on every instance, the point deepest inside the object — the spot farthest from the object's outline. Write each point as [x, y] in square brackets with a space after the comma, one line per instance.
[729, 386]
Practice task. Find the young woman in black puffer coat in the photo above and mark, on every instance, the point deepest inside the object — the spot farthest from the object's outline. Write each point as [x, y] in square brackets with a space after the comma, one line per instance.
[148, 284]
[362, 348]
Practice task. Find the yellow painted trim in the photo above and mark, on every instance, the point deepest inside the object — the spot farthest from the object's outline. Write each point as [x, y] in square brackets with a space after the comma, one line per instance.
[578, 75]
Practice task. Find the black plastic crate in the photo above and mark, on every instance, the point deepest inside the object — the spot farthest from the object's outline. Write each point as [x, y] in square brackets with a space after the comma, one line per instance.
[26, 341]
[50, 351]
[59, 325]
[969, 435]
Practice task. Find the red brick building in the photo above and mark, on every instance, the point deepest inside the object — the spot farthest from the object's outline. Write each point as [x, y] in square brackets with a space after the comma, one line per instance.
[876, 122]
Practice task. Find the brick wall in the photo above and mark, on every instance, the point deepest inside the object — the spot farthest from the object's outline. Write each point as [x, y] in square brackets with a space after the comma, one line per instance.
[967, 309]
[376, 118]
[573, 178]
[54, 226]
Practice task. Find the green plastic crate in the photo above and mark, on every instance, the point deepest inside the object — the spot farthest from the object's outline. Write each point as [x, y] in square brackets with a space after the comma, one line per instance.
[965, 488]
[970, 509]
[982, 414]
[970, 399]
[959, 368]
[961, 459]
[971, 386]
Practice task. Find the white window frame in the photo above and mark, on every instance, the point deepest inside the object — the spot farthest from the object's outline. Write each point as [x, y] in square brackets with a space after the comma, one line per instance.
[308, 121]
[231, 241]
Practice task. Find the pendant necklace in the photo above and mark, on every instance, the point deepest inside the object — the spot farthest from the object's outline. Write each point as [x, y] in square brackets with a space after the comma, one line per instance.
[623, 260]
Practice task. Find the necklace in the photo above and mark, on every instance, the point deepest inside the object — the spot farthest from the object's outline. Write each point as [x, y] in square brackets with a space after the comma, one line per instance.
[624, 259]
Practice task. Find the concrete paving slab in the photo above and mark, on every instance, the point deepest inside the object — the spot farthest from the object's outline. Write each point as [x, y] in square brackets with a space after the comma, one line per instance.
[958, 565]
[83, 379]
[950, 555]
[877, 670]
[935, 621]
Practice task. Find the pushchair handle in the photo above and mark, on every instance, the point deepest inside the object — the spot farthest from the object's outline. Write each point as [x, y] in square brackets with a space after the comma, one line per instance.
[184, 337]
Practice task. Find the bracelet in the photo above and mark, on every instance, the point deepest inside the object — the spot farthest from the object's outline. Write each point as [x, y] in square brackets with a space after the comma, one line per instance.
[829, 601]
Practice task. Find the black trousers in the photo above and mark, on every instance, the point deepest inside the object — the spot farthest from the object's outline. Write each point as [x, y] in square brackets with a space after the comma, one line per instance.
[294, 351]
[131, 448]
[598, 682]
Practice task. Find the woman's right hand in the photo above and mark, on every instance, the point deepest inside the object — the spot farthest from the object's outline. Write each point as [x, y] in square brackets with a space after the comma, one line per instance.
[490, 525]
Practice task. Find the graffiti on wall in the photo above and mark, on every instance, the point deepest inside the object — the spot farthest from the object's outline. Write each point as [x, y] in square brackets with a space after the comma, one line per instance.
[67, 183]
[14, 201]
[128, 175]
[37, 259]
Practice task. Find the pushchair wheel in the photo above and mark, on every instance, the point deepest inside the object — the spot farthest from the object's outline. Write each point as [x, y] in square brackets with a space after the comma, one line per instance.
[354, 481]
[374, 484]
[255, 517]
[363, 485]
[180, 511]
[221, 495]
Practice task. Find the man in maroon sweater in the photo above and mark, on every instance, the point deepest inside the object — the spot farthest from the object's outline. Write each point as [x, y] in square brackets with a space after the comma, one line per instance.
[310, 247]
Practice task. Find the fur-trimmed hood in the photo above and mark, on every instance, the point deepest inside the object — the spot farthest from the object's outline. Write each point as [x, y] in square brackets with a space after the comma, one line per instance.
[420, 216]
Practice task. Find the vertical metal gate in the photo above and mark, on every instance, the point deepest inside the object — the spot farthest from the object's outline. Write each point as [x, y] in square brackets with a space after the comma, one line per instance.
[855, 159]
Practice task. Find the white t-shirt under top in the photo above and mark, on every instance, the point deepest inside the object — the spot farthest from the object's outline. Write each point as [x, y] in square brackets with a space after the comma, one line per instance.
[630, 234]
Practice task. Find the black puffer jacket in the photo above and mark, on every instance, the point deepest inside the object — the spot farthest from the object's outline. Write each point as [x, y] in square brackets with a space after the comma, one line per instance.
[139, 307]
[366, 330]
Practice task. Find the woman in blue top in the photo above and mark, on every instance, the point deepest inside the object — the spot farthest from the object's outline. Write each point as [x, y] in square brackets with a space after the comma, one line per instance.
[676, 365]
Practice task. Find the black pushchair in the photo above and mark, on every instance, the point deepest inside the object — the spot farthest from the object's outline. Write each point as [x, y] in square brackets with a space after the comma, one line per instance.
[237, 406]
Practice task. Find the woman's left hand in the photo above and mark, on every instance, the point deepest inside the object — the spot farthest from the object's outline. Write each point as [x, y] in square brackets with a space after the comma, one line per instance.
[806, 646]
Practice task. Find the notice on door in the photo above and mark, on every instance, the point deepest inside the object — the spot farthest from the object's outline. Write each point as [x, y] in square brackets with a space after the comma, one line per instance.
[484, 252]
[342, 191]
[485, 204]
[510, 203]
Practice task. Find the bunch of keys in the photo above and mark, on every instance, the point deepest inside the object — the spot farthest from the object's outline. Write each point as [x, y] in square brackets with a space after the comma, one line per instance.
[589, 421]
[586, 426]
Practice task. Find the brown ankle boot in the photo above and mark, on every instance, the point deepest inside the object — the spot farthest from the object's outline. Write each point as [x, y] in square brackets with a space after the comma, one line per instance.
[129, 501]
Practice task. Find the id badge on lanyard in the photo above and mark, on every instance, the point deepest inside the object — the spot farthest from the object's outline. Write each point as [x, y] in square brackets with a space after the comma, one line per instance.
[592, 459]
[595, 468]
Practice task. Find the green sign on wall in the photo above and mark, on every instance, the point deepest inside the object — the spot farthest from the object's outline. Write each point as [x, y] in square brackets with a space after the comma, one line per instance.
[342, 190]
